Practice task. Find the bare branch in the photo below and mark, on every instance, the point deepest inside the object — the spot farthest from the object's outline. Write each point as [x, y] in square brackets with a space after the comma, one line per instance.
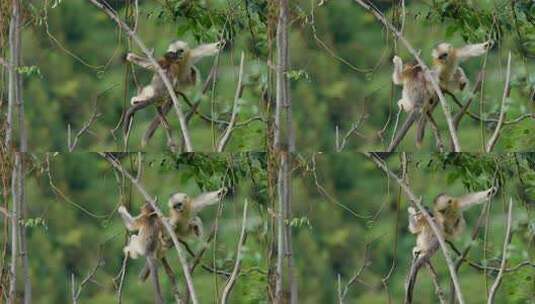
[356, 275]
[464, 108]
[496, 134]
[434, 278]
[235, 271]
[429, 77]
[417, 202]
[407, 124]
[161, 72]
[506, 242]
[228, 131]
[77, 290]
[71, 144]
[168, 228]
[354, 127]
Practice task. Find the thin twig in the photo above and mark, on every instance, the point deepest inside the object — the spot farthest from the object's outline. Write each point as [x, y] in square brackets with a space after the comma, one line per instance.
[464, 108]
[76, 291]
[428, 76]
[161, 72]
[494, 137]
[506, 242]
[407, 124]
[354, 278]
[232, 280]
[437, 232]
[71, 144]
[168, 228]
[434, 278]
[228, 131]
[354, 127]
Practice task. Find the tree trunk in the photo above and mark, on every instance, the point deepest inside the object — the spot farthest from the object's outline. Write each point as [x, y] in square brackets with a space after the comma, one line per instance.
[16, 102]
[284, 146]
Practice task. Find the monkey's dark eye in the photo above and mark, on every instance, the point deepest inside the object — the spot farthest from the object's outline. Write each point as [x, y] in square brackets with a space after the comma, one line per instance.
[178, 206]
[171, 56]
[179, 51]
[443, 56]
[450, 201]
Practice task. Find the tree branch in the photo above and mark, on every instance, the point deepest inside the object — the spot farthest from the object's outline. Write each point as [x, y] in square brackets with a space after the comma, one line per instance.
[494, 138]
[506, 242]
[228, 131]
[235, 271]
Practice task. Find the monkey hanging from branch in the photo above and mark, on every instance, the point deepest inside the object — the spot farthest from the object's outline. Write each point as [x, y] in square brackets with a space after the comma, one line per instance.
[178, 64]
[418, 96]
[183, 217]
[451, 76]
[417, 93]
[447, 214]
[146, 242]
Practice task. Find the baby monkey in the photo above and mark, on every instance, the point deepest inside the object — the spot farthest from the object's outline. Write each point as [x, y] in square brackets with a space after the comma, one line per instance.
[146, 242]
[417, 91]
[148, 228]
[178, 64]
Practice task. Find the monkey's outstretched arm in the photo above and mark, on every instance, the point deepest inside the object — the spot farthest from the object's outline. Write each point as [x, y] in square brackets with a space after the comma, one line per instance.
[141, 61]
[205, 50]
[473, 50]
[475, 198]
[207, 199]
[129, 221]
[398, 69]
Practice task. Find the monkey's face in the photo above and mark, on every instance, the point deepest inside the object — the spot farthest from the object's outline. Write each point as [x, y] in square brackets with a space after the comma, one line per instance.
[442, 53]
[178, 202]
[443, 202]
[177, 51]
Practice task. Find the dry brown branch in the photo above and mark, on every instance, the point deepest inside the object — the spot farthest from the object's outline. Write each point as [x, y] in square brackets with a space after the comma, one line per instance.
[168, 228]
[496, 134]
[429, 77]
[507, 240]
[232, 280]
[161, 72]
[437, 232]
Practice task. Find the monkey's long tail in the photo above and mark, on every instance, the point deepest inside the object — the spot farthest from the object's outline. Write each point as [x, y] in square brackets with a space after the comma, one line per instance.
[416, 264]
[420, 130]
